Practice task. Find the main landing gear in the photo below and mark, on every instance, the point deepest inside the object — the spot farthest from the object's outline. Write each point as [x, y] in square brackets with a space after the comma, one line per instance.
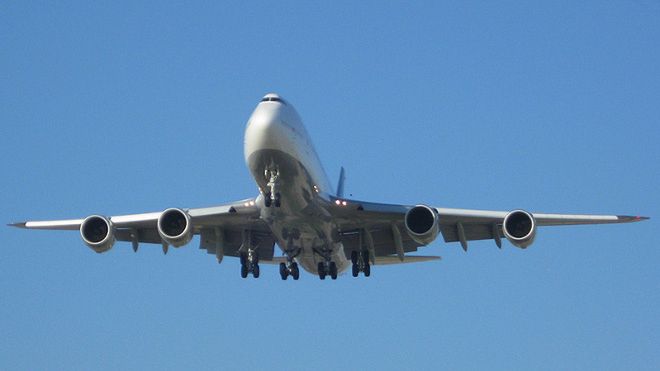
[327, 269]
[289, 269]
[360, 263]
[249, 264]
[273, 196]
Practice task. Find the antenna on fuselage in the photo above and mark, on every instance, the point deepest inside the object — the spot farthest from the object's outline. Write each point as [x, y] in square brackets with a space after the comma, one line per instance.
[340, 185]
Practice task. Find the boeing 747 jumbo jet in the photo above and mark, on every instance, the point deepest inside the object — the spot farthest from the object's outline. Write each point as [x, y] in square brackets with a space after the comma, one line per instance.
[315, 226]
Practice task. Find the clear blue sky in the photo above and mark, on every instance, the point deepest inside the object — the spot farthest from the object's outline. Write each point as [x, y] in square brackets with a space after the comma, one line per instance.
[130, 107]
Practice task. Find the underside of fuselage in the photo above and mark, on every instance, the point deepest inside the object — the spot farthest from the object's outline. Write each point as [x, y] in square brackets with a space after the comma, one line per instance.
[293, 200]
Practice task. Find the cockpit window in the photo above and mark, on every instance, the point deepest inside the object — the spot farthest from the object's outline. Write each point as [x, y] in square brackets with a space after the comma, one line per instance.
[273, 99]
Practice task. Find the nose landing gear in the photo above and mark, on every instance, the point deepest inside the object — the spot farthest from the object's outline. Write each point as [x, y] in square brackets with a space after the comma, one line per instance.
[273, 196]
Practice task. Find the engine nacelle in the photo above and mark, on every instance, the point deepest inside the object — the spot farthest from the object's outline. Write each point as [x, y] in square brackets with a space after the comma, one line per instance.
[98, 233]
[519, 228]
[422, 224]
[174, 227]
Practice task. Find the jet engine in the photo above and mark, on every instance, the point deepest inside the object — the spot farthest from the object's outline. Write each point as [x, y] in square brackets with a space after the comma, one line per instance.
[519, 228]
[98, 233]
[422, 224]
[174, 227]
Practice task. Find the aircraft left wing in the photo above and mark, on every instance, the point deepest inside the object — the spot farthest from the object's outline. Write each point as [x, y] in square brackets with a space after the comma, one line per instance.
[235, 223]
[386, 225]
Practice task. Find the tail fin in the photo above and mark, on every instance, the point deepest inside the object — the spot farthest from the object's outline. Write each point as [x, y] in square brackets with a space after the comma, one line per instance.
[340, 185]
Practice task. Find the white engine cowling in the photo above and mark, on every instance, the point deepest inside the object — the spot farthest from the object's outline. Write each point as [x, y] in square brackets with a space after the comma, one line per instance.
[519, 228]
[174, 227]
[422, 224]
[98, 233]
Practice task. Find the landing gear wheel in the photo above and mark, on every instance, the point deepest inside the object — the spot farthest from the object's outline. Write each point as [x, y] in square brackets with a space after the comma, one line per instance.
[267, 200]
[243, 258]
[244, 271]
[295, 273]
[255, 270]
[284, 272]
[321, 269]
[332, 267]
[278, 200]
[356, 270]
[367, 270]
[354, 257]
[365, 257]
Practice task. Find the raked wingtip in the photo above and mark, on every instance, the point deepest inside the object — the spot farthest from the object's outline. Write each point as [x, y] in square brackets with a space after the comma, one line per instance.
[629, 218]
[17, 225]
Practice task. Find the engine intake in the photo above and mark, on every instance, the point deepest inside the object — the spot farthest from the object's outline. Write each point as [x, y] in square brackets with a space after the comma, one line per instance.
[174, 227]
[422, 224]
[98, 233]
[519, 228]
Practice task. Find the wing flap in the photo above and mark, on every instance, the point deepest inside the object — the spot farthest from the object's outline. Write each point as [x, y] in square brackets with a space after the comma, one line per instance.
[473, 232]
[391, 260]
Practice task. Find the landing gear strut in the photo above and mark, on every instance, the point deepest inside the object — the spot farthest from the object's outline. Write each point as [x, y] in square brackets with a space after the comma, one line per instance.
[249, 264]
[360, 263]
[273, 196]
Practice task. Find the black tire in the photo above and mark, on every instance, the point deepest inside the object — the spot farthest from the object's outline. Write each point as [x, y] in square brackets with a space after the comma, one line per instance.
[333, 270]
[267, 200]
[255, 271]
[244, 271]
[321, 269]
[354, 257]
[367, 270]
[243, 257]
[284, 273]
[278, 200]
[295, 272]
[356, 270]
[365, 257]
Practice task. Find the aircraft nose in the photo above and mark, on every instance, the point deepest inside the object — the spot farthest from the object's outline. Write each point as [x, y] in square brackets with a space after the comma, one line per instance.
[273, 97]
[265, 128]
[267, 116]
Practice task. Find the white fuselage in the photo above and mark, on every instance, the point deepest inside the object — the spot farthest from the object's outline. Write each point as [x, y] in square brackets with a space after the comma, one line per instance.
[276, 141]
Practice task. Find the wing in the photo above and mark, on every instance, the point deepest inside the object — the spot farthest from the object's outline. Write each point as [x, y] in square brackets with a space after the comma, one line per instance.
[236, 220]
[462, 225]
[385, 223]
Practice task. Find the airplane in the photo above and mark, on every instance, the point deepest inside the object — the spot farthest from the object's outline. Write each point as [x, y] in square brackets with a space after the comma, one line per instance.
[315, 227]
